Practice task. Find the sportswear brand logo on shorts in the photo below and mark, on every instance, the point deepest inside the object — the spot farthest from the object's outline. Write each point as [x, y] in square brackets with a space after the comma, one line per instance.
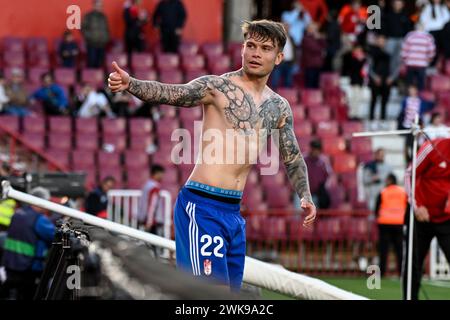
[207, 266]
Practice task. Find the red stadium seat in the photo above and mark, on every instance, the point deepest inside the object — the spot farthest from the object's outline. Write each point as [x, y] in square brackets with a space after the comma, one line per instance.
[120, 58]
[60, 141]
[108, 159]
[61, 157]
[171, 176]
[329, 80]
[162, 158]
[303, 129]
[94, 77]
[330, 229]
[333, 145]
[252, 198]
[439, 83]
[36, 44]
[135, 159]
[219, 64]
[194, 74]
[39, 60]
[13, 44]
[114, 142]
[193, 62]
[65, 76]
[141, 61]
[356, 204]
[304, 143]
[290, 94]
[34, 125]
[14, 59]
[350, 127]
[149, 75]
[34, 74]
[344, 162]
[191, 114]
[279, 197]
[142, 142]
[327, 129]
[114, 126]
[298, 111]
[348, 180]
[319, 113]
[278, 179]
[296, 230]
[167, 61]
[275, 228]
[136, 180]
[171, 76]
[116, 173]
[212, 49]
[188, 48]
[60, 124]
[358, 229]
[10, 122]
[34, 139]
[86, 125]
[86, 141]
[311, 97]
[167, 126]
[361, 145]
[140, 126]
[83, 159]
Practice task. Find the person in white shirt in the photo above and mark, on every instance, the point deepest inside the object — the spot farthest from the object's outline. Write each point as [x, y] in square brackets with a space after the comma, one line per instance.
[433, 18]
[94, 103]
[436, 129]
[3, 97]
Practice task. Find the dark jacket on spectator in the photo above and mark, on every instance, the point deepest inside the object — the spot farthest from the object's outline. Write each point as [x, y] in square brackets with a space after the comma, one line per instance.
[397, 25]
[96, 201]
[313, 51]
[169, 15]
[380, 63]
[95, 29]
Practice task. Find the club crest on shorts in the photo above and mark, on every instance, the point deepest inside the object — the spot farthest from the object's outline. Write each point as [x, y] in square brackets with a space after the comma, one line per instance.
[207, 267]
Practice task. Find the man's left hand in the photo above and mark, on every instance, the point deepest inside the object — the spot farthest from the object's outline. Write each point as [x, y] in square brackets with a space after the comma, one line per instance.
[310, 210]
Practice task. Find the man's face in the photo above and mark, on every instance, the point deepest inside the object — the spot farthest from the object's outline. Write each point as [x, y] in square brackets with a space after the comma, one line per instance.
[47, 80]
[398, 5]
[437, 121]
[158, 176]
[17, 79]
[259, 58]
[379, 155]
[108, 185]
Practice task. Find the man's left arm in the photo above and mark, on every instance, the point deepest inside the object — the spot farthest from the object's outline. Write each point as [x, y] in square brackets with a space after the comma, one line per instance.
[295, 164]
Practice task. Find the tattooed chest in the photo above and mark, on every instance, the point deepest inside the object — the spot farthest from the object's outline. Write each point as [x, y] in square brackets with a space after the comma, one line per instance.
[243, 114]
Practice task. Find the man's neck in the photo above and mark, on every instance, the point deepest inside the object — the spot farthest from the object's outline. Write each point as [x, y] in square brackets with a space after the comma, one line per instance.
[254, 83]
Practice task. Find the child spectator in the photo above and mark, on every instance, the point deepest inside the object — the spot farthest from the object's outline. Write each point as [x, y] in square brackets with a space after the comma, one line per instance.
[68, 50]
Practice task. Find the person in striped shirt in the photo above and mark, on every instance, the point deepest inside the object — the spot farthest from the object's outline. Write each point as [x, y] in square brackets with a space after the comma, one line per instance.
[418, 51]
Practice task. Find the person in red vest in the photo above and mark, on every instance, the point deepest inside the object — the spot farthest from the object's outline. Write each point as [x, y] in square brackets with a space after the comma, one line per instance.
[431, 207]
[390, 211]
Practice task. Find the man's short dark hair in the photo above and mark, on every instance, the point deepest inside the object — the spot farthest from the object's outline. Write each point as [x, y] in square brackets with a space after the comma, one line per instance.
[45, 74]
[434, 115]
[108, 179]
[156, 168]
[392, 178]
[263, 30]
[316, 144]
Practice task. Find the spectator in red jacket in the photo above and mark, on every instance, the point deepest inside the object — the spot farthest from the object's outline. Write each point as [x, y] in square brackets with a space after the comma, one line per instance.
[431, 206]
[352, 17]
[317, 9]
[313, 55]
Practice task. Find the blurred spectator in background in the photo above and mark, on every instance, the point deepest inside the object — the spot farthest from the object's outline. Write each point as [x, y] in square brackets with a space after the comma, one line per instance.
[436, 128]
[30, 235]
[169, 18]
[317, 9]
[52, 96]
[284, 72]
[353, 67]
[95, 30]
[319, 173]
[3, 97]
[68, 50]
[7, 206]
[397, 25]
[97, 200]
[298, 20]
[446, 35]
[390, 211]
[412, 105]
[121, 102]
[93, 103]
[151, 213]
[380, 77]
[433, 18]
[332, 31]
[17, 94]
[313, 55]
[417, 52]
[352, 18]
[135, 19]
[374, 176]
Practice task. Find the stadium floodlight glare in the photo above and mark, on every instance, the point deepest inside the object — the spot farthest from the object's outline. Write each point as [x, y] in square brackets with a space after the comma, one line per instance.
[256, 272]
[415, 131]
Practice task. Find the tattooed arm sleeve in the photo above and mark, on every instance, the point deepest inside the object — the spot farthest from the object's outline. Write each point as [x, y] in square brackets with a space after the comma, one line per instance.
[291, 155]
[198, 91]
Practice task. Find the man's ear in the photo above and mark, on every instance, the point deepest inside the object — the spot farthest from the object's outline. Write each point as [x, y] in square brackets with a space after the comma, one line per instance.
[279, 58]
